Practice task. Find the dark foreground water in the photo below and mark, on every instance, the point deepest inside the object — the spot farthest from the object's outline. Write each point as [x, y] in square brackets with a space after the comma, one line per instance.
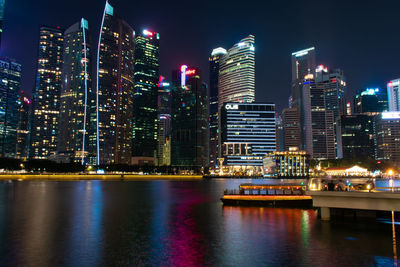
[172, 223]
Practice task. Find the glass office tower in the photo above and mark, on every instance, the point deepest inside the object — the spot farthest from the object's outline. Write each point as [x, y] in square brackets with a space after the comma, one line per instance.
[46, 96]
[76, 93]
[189, 119]
[114, 90]
[237, 73]
[10, 85]
[214, 60]
[146, 77]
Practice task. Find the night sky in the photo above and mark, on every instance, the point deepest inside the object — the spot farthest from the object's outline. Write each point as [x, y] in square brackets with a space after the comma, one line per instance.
[361, 37]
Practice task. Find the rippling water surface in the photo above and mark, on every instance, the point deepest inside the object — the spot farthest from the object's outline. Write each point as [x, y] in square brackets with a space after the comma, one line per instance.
[172, 223]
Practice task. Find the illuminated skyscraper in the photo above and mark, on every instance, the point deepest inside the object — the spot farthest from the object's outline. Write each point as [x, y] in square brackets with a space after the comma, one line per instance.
[76, 93]
[144, 142]
[214, 60]
[318, 121]
[237, 73]
[248, 134]
[189, 108]
[10, 85]
[46, 97]
[2, 6]
[334, 83]
[356, 133]
[114, 90]
[24, 113]
[164, 123]
[370, 101]
[393, 89]
[387, 136]
[303, 63]
[291, 128]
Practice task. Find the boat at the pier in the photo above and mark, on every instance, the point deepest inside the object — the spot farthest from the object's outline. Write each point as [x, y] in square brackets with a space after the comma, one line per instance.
[268, 195]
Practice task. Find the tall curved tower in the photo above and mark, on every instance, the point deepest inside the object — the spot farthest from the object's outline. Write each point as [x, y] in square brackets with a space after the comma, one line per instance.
[76, 92]
[114, 90]
[237, 73]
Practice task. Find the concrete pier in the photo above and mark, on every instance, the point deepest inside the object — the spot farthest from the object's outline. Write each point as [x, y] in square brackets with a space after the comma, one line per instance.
[378, 201]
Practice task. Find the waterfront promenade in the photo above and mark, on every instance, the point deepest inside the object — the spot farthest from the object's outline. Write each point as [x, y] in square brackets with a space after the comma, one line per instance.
[106, 177]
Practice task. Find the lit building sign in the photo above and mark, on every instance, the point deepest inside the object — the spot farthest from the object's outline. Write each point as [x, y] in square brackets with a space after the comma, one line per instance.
[109, 9]
[190, 72]
[183, 75]
[302, 52]
[148, 33]
[391, 115]
[218, 51]
[321, 68]
[309, 77]
[231, 106]
[370, 91]
[394, 83]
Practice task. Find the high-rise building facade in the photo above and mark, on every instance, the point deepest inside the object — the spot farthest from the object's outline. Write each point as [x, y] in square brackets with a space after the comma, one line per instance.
[318, 121]
[303, 67]
[10, 85]
[24, 115]
[214, 60]
[2, 7]
[387, 136]
[291, 128]
[303, 63]
[236, 81]
[114, 90]
[280, 135]
[46, 96]
[393, 93]
[76, 93]
[334, 83]
[164, 123]
[189, 115]
[357, 136]
[146, 77]
[248, 134]
[370, 101]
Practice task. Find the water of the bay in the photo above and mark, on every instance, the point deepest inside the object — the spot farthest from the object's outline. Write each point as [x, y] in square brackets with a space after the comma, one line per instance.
[173, 223]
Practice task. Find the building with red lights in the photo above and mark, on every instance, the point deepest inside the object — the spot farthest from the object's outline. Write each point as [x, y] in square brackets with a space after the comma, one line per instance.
[189, 120]
[144, 116]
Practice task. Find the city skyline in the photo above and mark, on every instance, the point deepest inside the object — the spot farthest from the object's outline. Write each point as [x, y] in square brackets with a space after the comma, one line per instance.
[276, 38]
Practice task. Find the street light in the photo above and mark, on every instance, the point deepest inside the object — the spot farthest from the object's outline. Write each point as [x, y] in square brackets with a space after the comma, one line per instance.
[390, 173]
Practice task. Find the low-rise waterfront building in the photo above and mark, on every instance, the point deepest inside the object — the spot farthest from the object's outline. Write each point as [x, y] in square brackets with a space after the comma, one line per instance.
[290, 164]
[347, 171]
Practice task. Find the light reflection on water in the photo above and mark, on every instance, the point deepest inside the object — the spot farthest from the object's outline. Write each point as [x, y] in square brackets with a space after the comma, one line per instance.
[172, 223]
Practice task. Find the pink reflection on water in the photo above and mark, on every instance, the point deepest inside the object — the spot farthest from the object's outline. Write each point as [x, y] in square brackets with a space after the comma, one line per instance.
[185, 244]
